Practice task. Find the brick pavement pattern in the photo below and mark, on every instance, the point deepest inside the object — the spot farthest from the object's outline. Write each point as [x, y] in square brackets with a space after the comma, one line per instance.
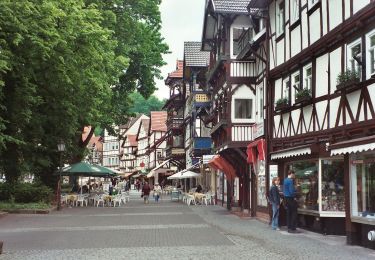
[167, 230]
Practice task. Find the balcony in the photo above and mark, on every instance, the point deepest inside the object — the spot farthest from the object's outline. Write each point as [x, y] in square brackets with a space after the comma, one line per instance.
[175, 122]
[201, 145]
[240, 133]
[201, 99]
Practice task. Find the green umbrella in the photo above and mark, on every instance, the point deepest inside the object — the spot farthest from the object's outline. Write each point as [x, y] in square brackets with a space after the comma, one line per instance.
[86, 169]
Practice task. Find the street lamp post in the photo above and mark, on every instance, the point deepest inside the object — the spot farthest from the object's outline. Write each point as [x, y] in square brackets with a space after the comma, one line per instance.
[61, 149]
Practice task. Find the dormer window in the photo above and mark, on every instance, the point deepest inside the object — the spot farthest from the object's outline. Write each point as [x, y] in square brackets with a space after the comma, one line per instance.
[243, 108]
[236, 34]
[280, 19]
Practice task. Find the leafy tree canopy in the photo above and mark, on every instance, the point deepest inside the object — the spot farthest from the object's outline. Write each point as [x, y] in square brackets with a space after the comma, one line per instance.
[145, 106]
[65, 64]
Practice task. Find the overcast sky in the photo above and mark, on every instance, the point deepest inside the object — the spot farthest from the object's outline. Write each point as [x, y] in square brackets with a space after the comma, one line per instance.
[182, 20]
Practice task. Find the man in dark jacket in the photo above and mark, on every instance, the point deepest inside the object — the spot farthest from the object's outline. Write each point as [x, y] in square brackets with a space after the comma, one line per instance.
[291, 203]
[146, 192]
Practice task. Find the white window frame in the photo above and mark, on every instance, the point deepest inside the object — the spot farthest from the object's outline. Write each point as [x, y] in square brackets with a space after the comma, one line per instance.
[350, 60]
[252, 108]
[286, 88]
[280, 18]
[294, 10]
[308, 80]
[370, 49]
[295, 86]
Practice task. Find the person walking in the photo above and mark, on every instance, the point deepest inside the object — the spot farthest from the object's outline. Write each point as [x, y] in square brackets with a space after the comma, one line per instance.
[157, 192]
[291, 203]
[274, 198]
[146, 192]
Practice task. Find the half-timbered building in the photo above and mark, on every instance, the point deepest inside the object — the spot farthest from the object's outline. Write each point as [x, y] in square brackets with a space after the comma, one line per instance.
[142, 161]
[232, 84]
[321, 66]
[198, 101]
[175, 151]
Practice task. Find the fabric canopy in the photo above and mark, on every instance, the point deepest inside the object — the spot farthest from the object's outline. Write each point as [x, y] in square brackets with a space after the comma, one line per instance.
[295, 151]
[357, 145]
[184, 175]
[153, 171]
[220, 163]
[86, 169]
[258, 145]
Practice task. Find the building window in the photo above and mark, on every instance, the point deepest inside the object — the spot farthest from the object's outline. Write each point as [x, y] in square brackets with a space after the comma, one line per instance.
[295, 86]
[286, 89]
[306, 183]
[294, 10]
[243, 108]
[280, 19]
[308, 77]
[236, 35]
[354, 57]
[363, 186]
[371, 54]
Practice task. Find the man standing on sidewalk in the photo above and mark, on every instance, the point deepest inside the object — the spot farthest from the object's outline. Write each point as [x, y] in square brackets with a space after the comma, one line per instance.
[146, 192]
[291, 203]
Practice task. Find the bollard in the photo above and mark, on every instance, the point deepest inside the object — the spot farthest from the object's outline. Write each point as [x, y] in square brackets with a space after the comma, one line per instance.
[1, 247]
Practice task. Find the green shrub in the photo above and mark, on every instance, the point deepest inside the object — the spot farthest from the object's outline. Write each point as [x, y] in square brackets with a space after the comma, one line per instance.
[26, 193]
[282, 101]
[305, 92]
[347, 76]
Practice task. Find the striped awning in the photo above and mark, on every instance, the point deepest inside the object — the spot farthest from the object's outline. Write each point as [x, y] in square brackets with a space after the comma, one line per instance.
[353, 149]
[292, 152]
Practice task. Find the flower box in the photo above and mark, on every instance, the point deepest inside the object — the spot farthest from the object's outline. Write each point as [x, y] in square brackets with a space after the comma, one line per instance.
[303, 99]
[348, 85]
[281, 107]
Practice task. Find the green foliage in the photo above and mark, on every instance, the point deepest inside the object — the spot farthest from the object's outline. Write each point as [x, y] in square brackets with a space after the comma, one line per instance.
[34, 205]
[305, 92]
[25, 193]
[346, 76]
[281, 101]
[144, 106]
[65, 65]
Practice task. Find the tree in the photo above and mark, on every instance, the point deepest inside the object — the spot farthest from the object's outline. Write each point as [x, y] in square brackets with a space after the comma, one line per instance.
[63, 66]
[144, 106]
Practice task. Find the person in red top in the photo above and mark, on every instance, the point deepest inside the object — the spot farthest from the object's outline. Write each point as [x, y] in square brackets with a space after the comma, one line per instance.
[146, 192]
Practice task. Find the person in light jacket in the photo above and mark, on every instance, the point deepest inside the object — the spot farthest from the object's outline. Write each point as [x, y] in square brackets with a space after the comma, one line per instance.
[274, 198]
[157, 192]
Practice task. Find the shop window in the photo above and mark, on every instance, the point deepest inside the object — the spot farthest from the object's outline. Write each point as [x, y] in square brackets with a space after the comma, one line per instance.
[243, 108]
[307, 184]
[333, 194]
[280, 19]
[363, 187]
[261, 184]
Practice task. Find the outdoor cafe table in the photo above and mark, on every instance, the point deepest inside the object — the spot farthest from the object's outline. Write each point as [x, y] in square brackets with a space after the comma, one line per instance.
[198, 196]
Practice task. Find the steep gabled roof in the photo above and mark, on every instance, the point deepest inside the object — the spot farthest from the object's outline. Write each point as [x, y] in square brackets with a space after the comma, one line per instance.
[193, 55]
[230, 6]
[158, 121]
[146, 124]
[132, 140]
[177, 74]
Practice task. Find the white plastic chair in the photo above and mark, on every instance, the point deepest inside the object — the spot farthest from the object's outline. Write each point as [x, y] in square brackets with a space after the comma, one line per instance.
[99, 199]
[116, 200]
[190, 200]
[81, 200]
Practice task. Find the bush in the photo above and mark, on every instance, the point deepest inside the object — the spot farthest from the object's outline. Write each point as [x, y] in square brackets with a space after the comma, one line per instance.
[26, 193]
[282, 101]
[305, 92]
[347, 76]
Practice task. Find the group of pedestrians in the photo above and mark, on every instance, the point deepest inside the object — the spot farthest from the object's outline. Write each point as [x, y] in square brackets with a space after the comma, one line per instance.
[289, 196]
[146, 190]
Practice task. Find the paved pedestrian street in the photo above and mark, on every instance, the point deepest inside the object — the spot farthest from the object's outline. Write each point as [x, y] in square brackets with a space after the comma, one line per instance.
[168, 230]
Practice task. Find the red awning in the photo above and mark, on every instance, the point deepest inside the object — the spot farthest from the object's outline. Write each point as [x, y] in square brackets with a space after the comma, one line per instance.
[220, 163]
[257, 145]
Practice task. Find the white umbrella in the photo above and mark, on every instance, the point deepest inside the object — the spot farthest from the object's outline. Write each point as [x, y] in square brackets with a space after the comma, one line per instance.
[184, 175]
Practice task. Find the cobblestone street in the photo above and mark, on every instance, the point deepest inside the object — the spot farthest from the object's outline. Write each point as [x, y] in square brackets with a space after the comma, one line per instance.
[168, 230]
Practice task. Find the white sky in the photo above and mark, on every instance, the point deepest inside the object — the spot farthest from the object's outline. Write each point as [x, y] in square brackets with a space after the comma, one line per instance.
[182, 20]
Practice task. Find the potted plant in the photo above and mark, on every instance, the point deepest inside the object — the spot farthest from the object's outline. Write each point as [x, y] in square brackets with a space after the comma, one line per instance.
[303, 95]
[281, 104]
[347, 79]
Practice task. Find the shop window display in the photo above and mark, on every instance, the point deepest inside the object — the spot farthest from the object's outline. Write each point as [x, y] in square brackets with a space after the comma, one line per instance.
[333, 194]
[307, 184]
[363, 186]
[261, 184]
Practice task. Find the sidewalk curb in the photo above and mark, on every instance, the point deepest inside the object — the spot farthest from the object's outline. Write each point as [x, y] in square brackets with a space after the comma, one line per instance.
[28, 211]
[3, 214]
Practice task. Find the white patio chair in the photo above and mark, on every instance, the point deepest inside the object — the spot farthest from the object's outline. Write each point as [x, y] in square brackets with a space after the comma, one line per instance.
[81, 200]
[99, 199]
[190, 200]
[126, 196]
[116, 200]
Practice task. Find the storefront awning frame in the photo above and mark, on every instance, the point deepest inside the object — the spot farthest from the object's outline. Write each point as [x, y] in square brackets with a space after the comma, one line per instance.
[291, 152]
